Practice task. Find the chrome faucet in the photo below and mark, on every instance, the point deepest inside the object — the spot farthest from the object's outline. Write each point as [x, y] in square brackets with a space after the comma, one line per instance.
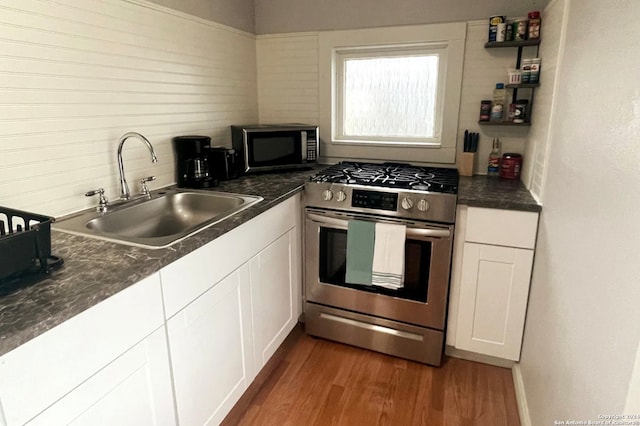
[124, 188]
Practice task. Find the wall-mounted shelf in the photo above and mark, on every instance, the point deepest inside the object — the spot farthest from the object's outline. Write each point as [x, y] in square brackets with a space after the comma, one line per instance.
[517, 43]
[522, 86]
[520, 44]
[504, 123]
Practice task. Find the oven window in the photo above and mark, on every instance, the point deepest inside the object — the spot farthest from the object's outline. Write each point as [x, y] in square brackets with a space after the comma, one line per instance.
[333, 264]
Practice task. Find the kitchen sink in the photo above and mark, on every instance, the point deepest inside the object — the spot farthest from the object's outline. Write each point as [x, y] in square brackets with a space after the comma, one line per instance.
[158, 221]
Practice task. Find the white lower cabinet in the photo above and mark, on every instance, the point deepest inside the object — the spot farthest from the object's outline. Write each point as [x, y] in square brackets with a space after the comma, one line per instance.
[220, 339]
[212, 365]
[493, 299]
[135, 389]
[107, 365]
[273, 289]
[223, 338]
[179, 347]
[493, 259]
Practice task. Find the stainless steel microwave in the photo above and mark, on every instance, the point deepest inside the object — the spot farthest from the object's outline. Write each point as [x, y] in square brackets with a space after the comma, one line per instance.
[266, 147]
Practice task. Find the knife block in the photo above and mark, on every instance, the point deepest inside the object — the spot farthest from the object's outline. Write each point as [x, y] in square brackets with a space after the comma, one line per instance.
[465, 163]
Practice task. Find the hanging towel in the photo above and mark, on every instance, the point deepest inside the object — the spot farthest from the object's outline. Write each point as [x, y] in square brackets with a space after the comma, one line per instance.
[388, 256]
[360, 238]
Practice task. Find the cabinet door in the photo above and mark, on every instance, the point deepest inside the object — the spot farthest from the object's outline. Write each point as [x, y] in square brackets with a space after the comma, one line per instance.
[493, 299]
[135, 389]
[42, 371]
[212, 365]
[274, 289]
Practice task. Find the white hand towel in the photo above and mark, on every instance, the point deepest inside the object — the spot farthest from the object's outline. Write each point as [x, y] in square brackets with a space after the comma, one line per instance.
[388, 256]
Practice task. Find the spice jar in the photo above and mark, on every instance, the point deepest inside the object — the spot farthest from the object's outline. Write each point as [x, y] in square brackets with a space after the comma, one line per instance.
[520, 112]
[534, 74]
[510, 166]
[509, 33]
[525, 70]
[520, 29]
[493, 27]
[485, 110]
[534, 25]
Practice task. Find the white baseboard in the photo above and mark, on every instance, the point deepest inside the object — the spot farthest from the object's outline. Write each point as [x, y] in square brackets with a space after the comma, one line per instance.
[521, 398]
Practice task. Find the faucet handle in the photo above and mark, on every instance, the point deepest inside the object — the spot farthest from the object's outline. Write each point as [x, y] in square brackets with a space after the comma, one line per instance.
[143, 185]
[102, 203]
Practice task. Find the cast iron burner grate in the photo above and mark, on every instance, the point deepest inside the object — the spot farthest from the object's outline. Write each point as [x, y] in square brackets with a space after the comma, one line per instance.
[392, 175]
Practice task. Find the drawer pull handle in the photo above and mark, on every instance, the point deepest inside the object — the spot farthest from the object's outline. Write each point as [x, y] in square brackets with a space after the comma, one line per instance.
[373, 327]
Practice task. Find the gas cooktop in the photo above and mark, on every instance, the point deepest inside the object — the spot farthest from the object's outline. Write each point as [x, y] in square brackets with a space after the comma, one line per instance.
[390, 189]
[391, 175]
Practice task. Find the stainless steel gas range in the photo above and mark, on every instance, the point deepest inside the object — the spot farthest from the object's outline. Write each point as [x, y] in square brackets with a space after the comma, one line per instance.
[407, 320]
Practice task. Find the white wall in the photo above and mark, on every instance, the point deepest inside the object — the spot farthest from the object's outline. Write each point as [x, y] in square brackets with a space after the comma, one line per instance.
[632, 405]
[78, 75]
[283, 16]
[235, 13]
[582, 331]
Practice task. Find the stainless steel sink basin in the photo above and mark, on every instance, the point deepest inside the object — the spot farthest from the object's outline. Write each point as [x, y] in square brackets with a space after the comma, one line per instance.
[167, 217]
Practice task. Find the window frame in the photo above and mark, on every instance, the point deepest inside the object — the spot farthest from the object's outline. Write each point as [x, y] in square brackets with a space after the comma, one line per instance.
[449, 38]
[342, 55]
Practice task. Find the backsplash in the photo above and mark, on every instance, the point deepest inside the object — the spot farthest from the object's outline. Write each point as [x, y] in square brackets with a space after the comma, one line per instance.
[76, 76]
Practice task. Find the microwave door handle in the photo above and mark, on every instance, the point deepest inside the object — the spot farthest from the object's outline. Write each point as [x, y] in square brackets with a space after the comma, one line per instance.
[411, 232]
[304, 145]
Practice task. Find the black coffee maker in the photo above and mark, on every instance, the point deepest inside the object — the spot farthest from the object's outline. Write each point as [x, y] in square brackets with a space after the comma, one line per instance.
[192, 162]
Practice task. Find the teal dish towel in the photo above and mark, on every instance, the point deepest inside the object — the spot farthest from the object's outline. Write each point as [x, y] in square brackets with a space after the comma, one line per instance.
[360, 243]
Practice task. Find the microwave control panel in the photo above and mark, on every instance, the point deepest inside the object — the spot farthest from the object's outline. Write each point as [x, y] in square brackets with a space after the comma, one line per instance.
[312, 146]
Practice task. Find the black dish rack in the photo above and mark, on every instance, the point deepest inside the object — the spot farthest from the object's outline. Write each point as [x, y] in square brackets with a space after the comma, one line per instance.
[25, 244]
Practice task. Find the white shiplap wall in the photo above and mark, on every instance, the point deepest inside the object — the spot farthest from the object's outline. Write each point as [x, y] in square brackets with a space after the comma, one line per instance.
[75, 76]
[288, 78]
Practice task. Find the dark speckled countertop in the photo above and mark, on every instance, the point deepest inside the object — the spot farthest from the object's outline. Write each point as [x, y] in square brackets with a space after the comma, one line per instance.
[95, 270]
[493, 192]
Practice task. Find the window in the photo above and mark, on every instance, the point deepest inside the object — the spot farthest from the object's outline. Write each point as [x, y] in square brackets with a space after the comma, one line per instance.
[391, 93]
[388, 94]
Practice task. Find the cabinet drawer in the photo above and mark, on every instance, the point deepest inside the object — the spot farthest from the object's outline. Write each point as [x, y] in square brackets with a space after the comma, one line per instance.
[502, 227]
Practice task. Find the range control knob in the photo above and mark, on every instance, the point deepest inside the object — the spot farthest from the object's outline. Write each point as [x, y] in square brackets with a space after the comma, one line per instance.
[423, 205]
[407, 203]
[327, 195]
[341, 196]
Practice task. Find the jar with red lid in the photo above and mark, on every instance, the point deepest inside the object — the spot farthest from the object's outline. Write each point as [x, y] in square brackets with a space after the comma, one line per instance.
[510, 166]
[534, 25]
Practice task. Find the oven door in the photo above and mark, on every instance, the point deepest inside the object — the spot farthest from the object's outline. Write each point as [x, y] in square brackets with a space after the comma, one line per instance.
[423, 299]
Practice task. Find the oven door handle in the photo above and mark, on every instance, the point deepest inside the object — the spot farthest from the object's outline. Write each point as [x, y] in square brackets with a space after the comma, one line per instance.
[411, 232]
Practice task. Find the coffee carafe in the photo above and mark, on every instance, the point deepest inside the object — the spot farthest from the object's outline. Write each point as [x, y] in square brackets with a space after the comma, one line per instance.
[192, 162]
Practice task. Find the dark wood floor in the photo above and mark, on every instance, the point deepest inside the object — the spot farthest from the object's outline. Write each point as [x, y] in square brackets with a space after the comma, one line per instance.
[317, 382]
